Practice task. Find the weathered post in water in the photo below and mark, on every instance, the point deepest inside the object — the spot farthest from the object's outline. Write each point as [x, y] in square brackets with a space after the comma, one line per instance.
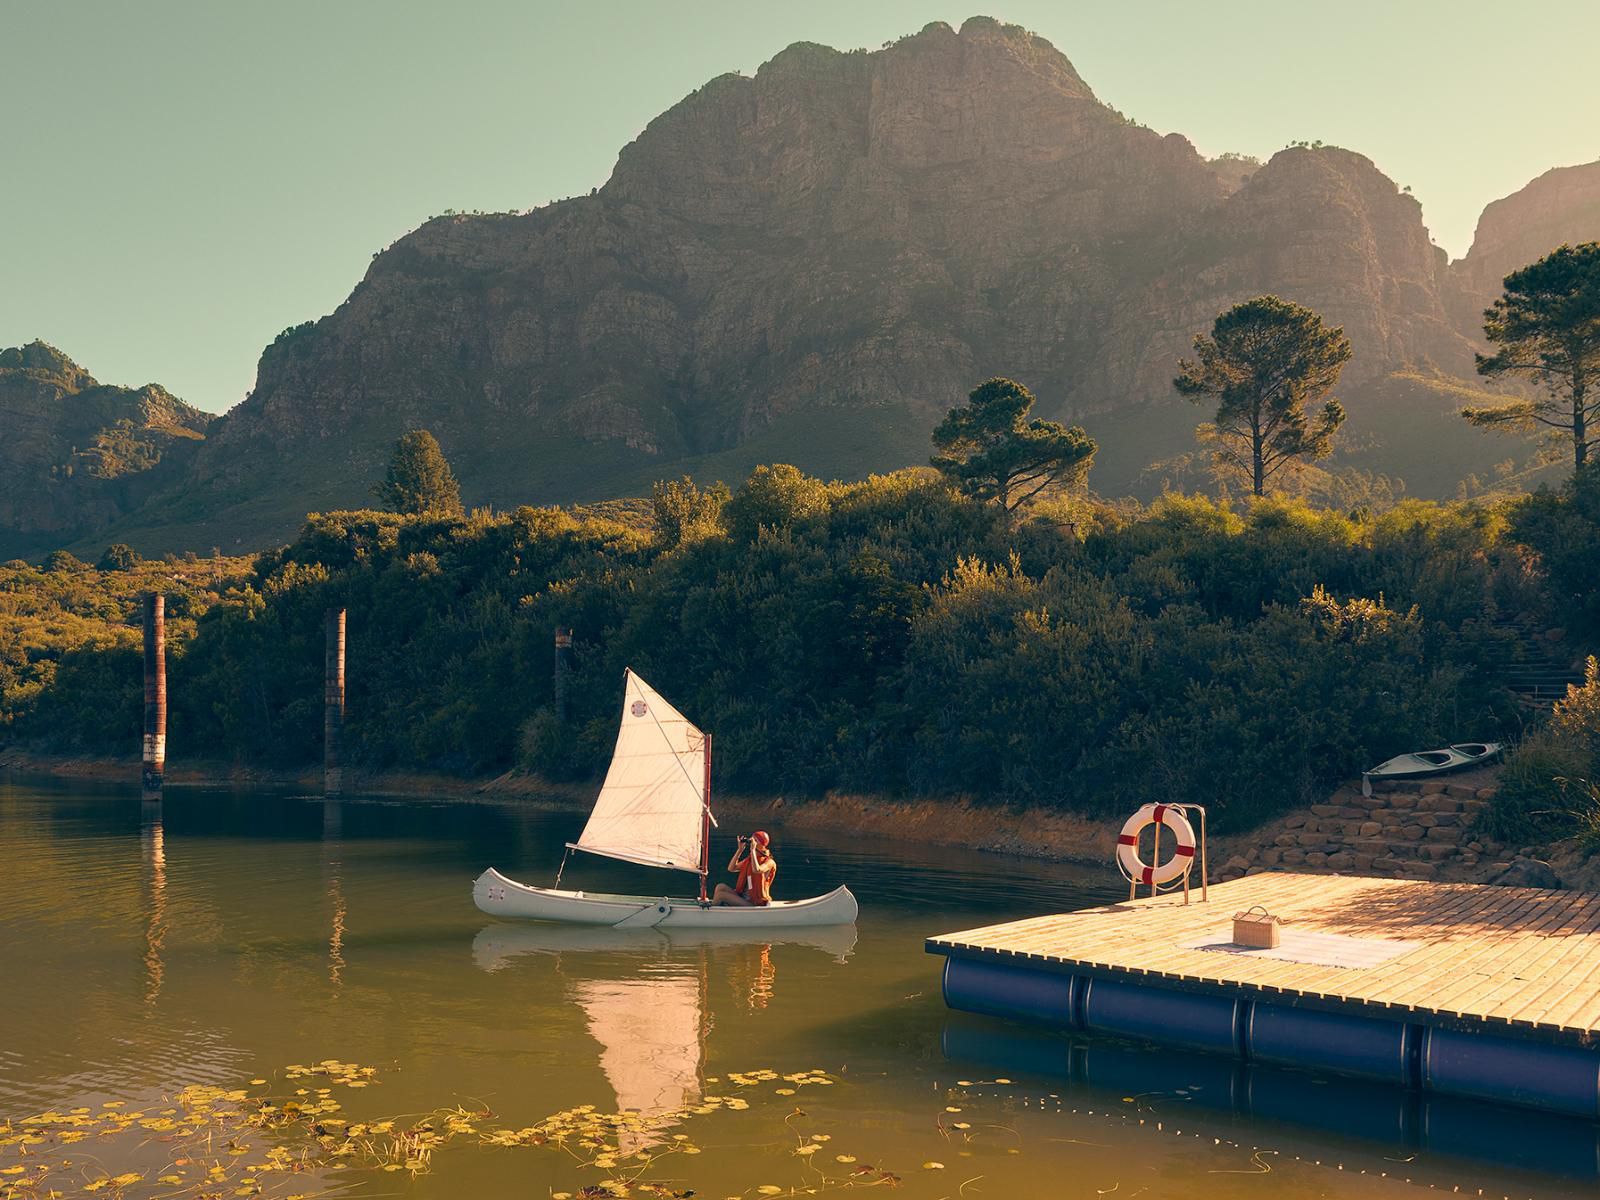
[155, 695]
[333, 704]
[563, 654]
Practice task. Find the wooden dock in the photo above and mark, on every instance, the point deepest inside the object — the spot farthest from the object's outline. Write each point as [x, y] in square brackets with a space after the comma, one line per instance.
[1523, 962]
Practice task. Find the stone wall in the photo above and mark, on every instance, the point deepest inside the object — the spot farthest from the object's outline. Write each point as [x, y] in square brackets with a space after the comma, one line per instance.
[1404, 830]
[1419, 830]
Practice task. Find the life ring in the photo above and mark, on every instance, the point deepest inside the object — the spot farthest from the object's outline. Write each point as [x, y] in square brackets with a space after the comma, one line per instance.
[1175, 867]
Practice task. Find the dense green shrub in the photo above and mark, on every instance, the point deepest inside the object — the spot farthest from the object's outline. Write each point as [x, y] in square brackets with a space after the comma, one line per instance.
[889, 636]
[1564, 528]
[56, 627]
[773, 498]
[1548, 788]
[119, 556]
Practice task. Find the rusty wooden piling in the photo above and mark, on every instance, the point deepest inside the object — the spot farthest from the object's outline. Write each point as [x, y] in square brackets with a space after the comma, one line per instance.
[155, 695]
[333, 704]
[562, 663]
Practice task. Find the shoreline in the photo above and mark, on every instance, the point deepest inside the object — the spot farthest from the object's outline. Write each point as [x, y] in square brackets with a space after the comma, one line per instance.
[1304, 838]
[1024, 832]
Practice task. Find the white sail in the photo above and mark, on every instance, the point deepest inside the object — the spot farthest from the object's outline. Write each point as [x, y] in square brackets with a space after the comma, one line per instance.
[652, 806]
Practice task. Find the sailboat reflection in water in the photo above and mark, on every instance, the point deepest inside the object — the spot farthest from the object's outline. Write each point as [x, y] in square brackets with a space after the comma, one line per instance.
[654, 809]
[651, 1033]
[646, 998]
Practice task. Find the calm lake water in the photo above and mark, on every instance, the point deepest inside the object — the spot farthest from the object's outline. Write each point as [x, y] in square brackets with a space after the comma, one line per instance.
[223, 936]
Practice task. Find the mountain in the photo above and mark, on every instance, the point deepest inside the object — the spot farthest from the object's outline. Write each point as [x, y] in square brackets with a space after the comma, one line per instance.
[1562, 205]
[76, 453]
[812, 264]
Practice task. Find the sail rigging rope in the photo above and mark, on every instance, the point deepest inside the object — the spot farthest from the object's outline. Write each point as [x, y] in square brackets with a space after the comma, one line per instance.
[563, 866]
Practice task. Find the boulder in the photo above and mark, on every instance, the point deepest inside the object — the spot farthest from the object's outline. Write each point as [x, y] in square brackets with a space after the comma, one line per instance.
[1528, 872]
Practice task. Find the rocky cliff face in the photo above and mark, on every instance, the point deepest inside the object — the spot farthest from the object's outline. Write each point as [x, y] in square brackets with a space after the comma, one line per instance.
[1562, 205]
[76, 453]
[811, 265]
[840, 233]
[1322, 227]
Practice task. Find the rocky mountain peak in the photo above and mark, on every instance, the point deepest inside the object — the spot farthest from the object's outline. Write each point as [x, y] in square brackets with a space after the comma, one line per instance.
[1562, 205]
[77, 453]
[45, 362]
[812, 263]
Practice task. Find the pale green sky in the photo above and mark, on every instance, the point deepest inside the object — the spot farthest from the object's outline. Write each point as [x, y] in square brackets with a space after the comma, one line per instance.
[181, 181]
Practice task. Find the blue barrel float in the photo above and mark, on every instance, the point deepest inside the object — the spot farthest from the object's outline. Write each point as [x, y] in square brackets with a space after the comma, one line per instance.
[1465, 1062]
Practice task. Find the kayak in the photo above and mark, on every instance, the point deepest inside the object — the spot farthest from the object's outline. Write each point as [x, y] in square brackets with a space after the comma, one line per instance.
[1422, 763]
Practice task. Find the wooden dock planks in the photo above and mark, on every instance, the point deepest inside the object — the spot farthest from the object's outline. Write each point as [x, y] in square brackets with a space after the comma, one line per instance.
[1521, 959]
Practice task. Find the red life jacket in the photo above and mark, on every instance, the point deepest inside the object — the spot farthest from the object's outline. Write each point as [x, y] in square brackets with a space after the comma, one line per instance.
[755, 885]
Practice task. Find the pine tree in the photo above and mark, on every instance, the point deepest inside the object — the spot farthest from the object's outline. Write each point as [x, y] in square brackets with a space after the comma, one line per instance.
[1266, 363]
[419, 480]
[1546, 327]
[991, 450]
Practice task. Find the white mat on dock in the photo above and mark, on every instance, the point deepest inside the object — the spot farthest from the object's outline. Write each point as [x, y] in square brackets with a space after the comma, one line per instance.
[1319, 949]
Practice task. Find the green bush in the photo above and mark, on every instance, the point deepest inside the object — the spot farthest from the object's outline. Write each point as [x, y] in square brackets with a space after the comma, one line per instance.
[118, 556]
[62, 562]
[889, 636]
[773, 498]
[1563, 526]
[1548, 789]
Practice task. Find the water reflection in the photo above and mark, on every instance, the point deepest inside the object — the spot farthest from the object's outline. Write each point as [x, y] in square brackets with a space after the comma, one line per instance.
[645, 995]
[652, 1043]
[332, 862]
[498, 944]
[1378, 1127]
[153, 854]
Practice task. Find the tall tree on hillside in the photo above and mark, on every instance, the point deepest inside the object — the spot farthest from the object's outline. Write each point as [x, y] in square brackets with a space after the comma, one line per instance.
[1267, 363]
[1546, 327]
[991, 450]
[419, 479]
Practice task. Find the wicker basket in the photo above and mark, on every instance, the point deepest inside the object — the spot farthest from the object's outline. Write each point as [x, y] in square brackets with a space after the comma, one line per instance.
[1257, 928]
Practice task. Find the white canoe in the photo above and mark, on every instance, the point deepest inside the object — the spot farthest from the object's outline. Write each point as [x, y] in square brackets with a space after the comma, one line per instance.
[502, 897]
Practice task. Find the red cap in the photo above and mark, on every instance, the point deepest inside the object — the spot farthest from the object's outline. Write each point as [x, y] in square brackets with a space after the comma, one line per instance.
[760, 835]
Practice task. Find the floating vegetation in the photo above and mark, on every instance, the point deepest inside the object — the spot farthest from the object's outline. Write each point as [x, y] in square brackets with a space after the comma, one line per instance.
[211, 1142]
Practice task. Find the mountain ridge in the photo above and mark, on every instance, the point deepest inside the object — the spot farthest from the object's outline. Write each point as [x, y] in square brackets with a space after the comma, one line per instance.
[813, 262]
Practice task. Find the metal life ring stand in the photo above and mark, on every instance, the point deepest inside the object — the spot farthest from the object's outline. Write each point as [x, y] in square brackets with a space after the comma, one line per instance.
[1155, 856]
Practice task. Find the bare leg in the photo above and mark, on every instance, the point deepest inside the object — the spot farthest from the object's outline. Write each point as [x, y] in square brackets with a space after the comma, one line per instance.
[727, 896]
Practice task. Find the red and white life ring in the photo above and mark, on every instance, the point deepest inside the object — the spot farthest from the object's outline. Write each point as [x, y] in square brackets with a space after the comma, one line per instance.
[1175, 867]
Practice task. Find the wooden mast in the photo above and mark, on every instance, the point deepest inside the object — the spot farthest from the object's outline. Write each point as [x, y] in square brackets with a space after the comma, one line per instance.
[705, 825]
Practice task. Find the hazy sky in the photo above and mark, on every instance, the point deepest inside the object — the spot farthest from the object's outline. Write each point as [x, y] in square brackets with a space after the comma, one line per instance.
[180, 181]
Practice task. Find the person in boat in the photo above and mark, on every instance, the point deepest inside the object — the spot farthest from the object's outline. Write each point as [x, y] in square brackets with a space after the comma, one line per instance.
[755, 867]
